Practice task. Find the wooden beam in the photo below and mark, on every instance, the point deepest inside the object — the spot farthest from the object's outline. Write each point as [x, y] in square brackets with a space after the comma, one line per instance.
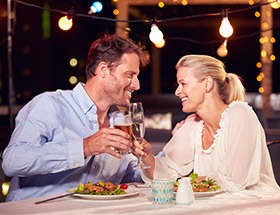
[266, 52]
[122, 6]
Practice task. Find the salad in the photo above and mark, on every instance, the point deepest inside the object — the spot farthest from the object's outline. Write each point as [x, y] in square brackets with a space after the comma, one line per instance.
[100, 188]
[203, 185]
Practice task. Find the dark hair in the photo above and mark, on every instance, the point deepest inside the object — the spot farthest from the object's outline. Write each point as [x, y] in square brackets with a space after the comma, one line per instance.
[110, 49]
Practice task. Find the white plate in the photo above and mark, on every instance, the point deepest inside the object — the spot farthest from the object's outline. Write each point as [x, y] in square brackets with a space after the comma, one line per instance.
[130, 191]
[204, 194]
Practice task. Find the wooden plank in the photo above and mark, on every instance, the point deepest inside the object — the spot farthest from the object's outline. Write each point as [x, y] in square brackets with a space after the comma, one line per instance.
[123, 7]
[267, 47]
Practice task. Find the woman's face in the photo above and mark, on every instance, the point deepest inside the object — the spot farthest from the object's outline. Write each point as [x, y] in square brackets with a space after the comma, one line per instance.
[190, 90]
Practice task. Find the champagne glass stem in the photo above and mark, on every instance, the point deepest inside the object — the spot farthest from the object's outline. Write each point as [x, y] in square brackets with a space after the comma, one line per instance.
[141, 164]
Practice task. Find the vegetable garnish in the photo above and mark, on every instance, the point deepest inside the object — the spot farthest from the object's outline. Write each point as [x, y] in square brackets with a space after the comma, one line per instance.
[204, 185]
[123, 186]
[99, 188]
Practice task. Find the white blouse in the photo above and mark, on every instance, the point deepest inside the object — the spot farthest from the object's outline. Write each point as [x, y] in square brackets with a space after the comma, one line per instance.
[237, 159]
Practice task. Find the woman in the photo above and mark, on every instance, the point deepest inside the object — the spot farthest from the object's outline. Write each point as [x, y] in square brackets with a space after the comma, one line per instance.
[224, 140]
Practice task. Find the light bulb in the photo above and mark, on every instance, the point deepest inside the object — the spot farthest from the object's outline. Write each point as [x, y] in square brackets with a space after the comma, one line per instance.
[155, 35]
[274, 4]
[160, 44]
[222, 50]
[226, 29]
[65, 23]
[98, 6]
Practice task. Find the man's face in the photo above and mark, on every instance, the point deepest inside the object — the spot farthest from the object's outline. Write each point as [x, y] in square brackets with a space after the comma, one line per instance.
[123, 80]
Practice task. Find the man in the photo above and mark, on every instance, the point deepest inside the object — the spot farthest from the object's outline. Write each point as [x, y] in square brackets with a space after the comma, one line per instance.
[66, 137]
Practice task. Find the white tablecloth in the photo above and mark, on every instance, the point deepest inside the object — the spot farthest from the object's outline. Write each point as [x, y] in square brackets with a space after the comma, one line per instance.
[245, 203]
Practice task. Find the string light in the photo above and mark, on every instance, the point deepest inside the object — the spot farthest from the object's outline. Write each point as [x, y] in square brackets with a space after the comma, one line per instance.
[160, 44]
[96, 7]
[155, 35]
[116, 12]
[66, 22]
[222, 50]
[259, 65]
[73, 80]
[73, 62]
[161, 4]
[261, 90]
[226, 29]
[274, 3]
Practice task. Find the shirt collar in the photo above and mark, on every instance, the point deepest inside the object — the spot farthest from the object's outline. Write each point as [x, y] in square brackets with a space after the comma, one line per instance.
[83, 98]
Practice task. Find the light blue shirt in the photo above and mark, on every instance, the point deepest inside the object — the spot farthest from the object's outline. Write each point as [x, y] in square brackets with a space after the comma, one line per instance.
[45, 155]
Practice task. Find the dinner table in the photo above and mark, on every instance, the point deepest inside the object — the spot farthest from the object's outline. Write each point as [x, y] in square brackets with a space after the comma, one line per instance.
[139, 200]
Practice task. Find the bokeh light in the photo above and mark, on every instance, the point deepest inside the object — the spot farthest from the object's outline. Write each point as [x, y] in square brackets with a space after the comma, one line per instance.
[5, 188]
[73, 62]
[161, 4]
[259, 65]
[116, 12]
[73, 80]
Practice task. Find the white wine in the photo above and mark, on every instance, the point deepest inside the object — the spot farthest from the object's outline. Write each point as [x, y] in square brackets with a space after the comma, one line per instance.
[138, 130]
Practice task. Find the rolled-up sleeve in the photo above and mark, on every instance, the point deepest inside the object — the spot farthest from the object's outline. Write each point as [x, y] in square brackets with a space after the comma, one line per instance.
[39, 144]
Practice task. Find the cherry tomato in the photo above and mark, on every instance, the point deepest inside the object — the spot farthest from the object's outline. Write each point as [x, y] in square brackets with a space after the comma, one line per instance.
[123, 186]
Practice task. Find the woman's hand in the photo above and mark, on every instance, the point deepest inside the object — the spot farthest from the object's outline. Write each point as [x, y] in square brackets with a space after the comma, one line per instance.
[142, 148]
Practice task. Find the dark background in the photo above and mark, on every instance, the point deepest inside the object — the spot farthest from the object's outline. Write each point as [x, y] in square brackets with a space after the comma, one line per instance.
[43, 64]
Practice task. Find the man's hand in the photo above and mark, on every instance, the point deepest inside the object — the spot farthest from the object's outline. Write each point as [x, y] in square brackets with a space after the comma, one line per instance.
[103, 141]
[177, 126]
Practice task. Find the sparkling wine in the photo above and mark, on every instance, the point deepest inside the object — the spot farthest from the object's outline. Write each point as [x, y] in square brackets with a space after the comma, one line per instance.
[138, 130]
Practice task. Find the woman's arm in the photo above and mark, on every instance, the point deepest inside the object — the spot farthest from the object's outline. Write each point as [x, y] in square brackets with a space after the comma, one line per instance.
[243, 148]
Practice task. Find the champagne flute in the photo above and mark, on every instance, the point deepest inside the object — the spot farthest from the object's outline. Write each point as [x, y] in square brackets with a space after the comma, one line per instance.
[138, 128]
[122, 121]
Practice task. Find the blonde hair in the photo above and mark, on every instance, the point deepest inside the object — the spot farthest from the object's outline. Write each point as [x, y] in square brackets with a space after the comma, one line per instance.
[230, 87]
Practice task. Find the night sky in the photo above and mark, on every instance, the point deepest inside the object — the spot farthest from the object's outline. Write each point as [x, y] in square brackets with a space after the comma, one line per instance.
[43, 65]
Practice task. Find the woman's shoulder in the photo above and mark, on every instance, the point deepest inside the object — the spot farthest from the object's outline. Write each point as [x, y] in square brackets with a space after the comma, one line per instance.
[239, 107]
[240, 111]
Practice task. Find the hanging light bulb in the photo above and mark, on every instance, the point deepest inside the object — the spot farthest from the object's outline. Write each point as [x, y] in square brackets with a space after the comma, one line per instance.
[96, 7]
[274, 4]
[66, 22]
[155, 35]
[226, 29]
[160, 44]
[222, 50]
